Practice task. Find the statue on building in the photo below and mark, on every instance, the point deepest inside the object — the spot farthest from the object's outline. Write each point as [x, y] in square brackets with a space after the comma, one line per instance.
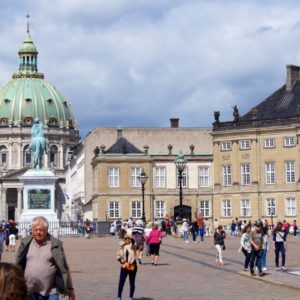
[236, 114]
[38, 144]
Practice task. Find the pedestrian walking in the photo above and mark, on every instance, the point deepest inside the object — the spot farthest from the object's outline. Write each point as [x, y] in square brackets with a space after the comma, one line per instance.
[2, 239]
[279, 239]
[12, 282]
[295, 227]
[246, 246]
[266, 248]
[219, 244]
[154, 241]
[256, 240]
[12, 231]
[138, 234]
[126, 255]
[185, 230]
[87, 228]
[201, 232]
[43, 260]
[233, 228]
[195, 230]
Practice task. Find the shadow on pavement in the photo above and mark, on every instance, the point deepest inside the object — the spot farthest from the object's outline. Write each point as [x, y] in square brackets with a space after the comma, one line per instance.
[143, 298]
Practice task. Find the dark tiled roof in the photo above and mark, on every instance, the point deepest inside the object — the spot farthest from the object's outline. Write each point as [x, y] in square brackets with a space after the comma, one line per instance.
[122, 146]
[281, 104]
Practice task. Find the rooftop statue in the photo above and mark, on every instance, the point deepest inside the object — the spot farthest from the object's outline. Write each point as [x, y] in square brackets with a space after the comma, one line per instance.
[38, 144]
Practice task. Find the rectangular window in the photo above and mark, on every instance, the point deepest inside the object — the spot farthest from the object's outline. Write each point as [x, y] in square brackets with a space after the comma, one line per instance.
[159, 209]
[160, 177]
[226, 208]
[289, 141]
[28, 158]
[289, 171]
[114, 209]
[245, 144]
[226, 170]
[135, 173]
[290, 207]
[205, 208]
[245, 174]
[226, 146]
[136, 209]
[245, 208]
[269, 143]
[113, 177]
[271, 207]
[184, 178]
[203, 176]
[270, 173]
[3, 158]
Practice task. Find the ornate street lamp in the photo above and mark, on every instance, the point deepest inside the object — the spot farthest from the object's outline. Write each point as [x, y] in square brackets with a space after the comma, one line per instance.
[143, 179]
[180, 163]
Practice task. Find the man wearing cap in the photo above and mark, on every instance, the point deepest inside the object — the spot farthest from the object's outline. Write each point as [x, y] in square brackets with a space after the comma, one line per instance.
[138, 234]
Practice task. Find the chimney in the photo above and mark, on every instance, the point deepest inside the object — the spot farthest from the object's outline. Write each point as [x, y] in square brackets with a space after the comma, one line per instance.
[292, 75]
[119, 133]
[174, 122]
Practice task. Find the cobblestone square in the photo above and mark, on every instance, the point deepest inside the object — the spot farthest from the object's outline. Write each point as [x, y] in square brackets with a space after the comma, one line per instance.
[185, 271]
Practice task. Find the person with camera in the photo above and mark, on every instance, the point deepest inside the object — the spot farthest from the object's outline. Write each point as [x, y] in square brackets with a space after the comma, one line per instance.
[219, 244]
[127, 257]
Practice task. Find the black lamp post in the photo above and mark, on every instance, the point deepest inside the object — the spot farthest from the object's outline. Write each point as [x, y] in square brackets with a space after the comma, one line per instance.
[143, 179]
[180, 163]
[272, 213]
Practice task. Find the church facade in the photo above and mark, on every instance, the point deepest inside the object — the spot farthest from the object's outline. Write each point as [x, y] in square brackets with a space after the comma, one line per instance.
[26, 96]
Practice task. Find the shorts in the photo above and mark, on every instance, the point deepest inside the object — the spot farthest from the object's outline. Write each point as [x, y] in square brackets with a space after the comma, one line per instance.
[140, 247]
[154, 249]
[12, 240]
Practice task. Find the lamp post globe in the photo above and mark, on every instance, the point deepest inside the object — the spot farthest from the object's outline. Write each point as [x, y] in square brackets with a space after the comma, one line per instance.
[143, 179]
[180, 163]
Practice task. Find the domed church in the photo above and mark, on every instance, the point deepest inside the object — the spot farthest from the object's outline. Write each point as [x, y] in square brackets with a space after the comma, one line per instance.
[26, 96]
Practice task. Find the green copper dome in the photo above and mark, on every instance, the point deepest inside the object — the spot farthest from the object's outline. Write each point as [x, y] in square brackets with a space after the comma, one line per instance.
[28, 95]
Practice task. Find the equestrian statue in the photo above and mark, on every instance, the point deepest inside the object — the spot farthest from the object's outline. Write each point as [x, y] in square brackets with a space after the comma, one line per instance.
[38, 145]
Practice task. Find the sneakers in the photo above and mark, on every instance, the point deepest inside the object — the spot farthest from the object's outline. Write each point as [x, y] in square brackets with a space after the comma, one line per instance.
[264, 269]
[283, 268]
[261, 274]
[253, 274]
[187, 242]
[246, 270]
[139, 260]
[277, 269]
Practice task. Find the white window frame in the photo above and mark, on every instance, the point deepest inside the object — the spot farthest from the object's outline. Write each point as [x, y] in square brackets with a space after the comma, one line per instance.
[226, 146]
[136, 209]
[289, 141]
[291, 207]
[113, 177]
[245, 144]
[269, 143]
[245, 174]
[159, 209]
[270, 205]
[160, 177]
[204, 174]
[184, 177]
[205, 208]
[290, 171]
[245, 208]
[114, 209]
[226, 208]
[135, 172]
[226, 175]
[270, 173]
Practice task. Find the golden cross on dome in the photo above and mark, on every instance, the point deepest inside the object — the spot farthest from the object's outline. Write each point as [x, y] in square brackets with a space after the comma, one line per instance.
[27, 16]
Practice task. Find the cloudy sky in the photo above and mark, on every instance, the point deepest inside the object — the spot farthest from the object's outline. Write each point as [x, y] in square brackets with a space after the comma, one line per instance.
[140, 62]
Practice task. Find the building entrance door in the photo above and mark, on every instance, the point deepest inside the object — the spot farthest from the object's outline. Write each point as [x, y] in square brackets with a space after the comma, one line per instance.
[185, 211]
[11, 213]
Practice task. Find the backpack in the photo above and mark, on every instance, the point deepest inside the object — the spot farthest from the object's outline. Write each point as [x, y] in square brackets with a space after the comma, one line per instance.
[139, 238]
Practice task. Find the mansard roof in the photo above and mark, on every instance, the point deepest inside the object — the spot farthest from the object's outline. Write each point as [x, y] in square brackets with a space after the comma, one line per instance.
[281, 104]
[123, 146]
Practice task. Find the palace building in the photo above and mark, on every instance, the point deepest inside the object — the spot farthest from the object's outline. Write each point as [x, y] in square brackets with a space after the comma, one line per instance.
[256, 158]
[26, 96]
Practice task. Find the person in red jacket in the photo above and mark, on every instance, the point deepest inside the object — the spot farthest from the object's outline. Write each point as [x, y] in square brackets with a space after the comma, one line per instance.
[154, 240]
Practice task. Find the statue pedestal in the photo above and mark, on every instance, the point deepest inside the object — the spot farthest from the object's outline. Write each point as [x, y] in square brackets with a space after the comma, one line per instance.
[39, 195]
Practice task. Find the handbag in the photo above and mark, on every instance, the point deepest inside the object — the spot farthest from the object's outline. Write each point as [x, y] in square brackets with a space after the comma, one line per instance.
[128, 266]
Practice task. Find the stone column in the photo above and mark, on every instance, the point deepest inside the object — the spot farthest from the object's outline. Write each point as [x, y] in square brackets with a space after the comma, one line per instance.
[4, 204]
[20, 204]
[46, 161]
[61, 157]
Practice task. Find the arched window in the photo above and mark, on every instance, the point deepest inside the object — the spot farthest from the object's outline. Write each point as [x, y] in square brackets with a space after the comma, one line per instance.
[26, 156]
[3, 155]
[54, 155]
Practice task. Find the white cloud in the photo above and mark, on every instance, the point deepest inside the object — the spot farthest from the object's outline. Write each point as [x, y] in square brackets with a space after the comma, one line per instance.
[139, 62]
